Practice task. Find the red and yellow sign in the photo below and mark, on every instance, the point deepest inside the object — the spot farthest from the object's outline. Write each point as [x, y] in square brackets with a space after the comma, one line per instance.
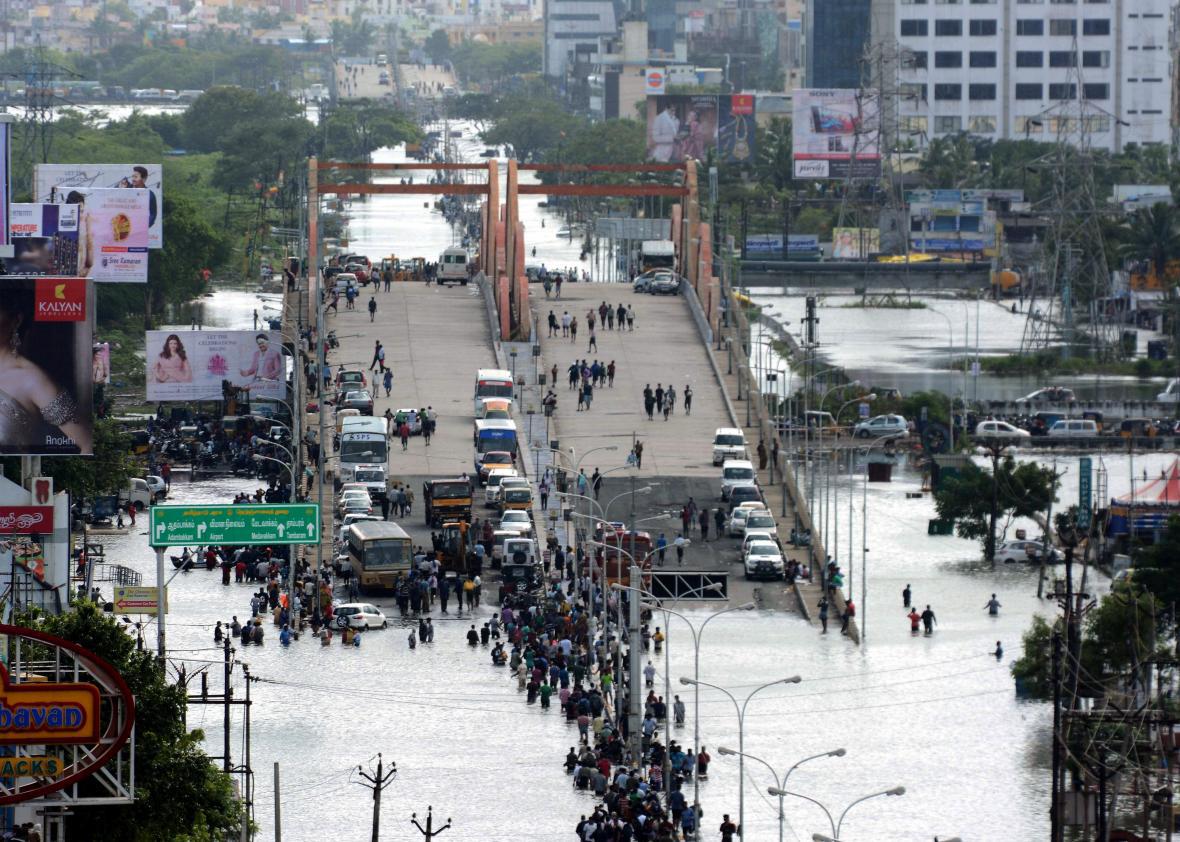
[40, 713]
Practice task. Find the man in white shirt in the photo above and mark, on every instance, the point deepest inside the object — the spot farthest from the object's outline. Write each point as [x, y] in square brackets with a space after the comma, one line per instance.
[664, 129]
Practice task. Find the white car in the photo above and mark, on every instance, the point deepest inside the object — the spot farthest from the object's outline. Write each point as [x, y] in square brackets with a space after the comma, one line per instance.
[764, 560]
[507, 482]
[761, 520]
[516, 520]
[360, 615]
[155, 486]
[881, 425]
[737, 518]
[1000, 431]
[355, 501]
[1011, 552]
[352, 518]
[728, 443]
[496, 476]
[735, 472]
[753, 535]
[1074, 428]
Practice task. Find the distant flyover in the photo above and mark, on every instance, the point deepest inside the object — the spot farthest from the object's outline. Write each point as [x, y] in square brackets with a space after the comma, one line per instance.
[868, 275]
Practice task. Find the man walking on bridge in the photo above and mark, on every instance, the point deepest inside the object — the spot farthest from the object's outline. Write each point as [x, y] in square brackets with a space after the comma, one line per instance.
[372, 307]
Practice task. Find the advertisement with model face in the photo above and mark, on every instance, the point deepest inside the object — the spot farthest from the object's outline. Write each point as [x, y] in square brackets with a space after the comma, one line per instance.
[835, 132]
[112, 235]
[54, 182]
[190, 365]
[680, 126]
[44, 240]
[46, 388]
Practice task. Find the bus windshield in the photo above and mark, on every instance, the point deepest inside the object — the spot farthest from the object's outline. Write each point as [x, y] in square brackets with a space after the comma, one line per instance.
[369, 449]
[493, 389]
[393, 552]
[447, 490]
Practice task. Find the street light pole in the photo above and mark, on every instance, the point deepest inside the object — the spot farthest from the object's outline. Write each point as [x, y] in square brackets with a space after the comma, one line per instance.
[782, 784]
[741, 712]
[835, 824]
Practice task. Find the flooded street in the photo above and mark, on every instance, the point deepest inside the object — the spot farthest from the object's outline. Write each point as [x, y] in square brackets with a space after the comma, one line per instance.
[937, 715]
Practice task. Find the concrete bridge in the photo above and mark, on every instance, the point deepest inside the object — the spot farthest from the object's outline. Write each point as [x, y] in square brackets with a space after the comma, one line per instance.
[871, 276]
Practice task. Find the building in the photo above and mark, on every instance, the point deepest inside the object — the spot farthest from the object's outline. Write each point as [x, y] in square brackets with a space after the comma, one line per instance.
[838, 32]
[1097, 71]
[572, 31]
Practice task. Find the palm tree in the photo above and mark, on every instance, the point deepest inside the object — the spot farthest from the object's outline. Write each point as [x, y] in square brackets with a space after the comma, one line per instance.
[1153, 234]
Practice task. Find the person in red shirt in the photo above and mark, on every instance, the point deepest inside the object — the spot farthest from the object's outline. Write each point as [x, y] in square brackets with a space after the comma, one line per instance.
[915, 620]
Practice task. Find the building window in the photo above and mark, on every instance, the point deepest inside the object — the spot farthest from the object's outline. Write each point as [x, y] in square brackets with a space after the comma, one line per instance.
[912, 125]
[1025, 58]
[981, 91]
[946, 59]
[917, 59]
[985, 26]
[948, 92]
[1063, 58]
[983, 59]
[1096, 90]
[1029, 126]
[948, 125]
[913, 91]
[1063, 27]
[1096, 122]
[914, 27]
[981, 124]
[1028, 90]
[1095, 58]
[1063, 90]
[1030, 27]
[948, 27]
[1096, 26]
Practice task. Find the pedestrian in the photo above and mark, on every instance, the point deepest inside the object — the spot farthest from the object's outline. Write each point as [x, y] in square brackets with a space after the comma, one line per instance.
[915, 620]
[728, 829]
[662, 547]
[630, 318]
[929, 621]
[574, 329]
[678, 711]
[565, 323]
[680, 543]
[649, 674]
[403, 433]
[849, 613]
[587, 394]
[761, 454]
[376, 363]
[703, 520]
[687, 399]
[372, 308]
[590, 320]
[823, 613]
[992, 605]
[596, 483]
[388, 381]
[667, 406]
[427, 428]
[905, 596]
[557, 287]
[552, 318]
[610, 375]
[593, 346]
[638, 451]
[999, 653]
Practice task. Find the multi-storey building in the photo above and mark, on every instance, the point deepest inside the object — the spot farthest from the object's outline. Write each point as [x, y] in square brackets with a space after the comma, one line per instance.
[1092, 70]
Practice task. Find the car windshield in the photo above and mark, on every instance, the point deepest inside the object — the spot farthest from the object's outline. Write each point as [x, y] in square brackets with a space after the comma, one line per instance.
[451, 489]
[763, 548]
[347, 610]
[497, 457]
[369, 476]
[759, 521]
[359, 395]
[738, 473]
[514, 517]
[729, 441]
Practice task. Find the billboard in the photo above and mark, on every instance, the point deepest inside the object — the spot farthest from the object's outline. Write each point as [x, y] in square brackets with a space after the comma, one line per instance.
[771, 245]
[45, 404]
[190, 365]
[835, 133]
[735, 128]
[855, 243]
[44, 240]
[680, 127]
[55, 182]
[113, 236]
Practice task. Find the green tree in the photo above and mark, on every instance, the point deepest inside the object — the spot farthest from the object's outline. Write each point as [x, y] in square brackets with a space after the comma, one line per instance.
[1152, 234]
[1034, 668]
[976, 499]
[215, 119]
[179, 795]
[351, 131]
[438, 46]
[1157, 567]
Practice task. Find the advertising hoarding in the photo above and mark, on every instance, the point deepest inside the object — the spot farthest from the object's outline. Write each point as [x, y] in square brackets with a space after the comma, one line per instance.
[55, 182]
[190, 365]
[735, 128]
[680, 127]
[46, 323]
[855, 243]
[835, 133]
[771, 245]
[44, 240]
[113, 236]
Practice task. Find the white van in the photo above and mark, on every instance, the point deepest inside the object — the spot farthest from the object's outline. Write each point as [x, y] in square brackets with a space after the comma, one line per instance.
[736, 472]
[1074, 428]
[728, 443]
[495, 477]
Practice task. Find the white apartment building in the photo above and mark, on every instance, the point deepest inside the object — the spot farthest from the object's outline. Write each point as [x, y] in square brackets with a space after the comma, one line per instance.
[1036, 69]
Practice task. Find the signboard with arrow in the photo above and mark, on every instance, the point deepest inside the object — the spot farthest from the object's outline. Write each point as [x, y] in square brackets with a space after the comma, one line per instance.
[280, 523]
[138, 600]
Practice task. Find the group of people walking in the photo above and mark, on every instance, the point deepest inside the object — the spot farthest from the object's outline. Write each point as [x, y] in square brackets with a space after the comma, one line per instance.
[663, 401]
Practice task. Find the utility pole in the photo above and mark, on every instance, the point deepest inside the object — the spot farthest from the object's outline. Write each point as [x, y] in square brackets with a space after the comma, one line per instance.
[228, 699]
[377, 783]
[278, 808]
[634, 679]
[428, 832]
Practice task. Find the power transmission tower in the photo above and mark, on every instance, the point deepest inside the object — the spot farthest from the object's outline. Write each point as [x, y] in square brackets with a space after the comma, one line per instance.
[377, 782]
[38, 76]
[428, 832]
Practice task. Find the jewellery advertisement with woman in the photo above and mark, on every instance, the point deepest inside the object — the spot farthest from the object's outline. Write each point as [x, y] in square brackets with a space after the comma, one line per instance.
[46, 371]
[190, 365]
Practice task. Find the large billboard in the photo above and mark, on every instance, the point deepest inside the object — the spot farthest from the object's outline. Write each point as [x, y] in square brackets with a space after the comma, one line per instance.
[44, 240]
[855, 243]
[836, 133]
[191, 365]
[55, 182]
[113, 236]
[46, 331]
[735, 128]
[680, 126]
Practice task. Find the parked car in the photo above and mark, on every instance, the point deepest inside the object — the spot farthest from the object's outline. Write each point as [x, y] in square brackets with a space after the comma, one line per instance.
[355, 500]
[1074, 428]
[1011, 552]
[1000, 431]
[881, 425]
[761, 520]
[735, 473]
[137, 493]
[156, 486]
[745, 494]
[517, 521]
[359, 399]
[728, 443]
[344, 377]
[764, 560]
[1050, 394]
[352, 518]
[644, 281]
[665, 285]
[360, 615]
[753, 535]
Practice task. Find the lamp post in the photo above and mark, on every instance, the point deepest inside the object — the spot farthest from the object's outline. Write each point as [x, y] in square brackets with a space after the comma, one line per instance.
[827, 462]
[837, 823]
[950, 340]
[782, 784]
[741, 712]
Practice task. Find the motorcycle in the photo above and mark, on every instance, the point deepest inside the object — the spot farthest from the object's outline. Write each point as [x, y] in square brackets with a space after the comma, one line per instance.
[333, 342]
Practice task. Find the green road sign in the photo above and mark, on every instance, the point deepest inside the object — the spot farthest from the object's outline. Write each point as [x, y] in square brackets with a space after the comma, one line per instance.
[294, 523]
